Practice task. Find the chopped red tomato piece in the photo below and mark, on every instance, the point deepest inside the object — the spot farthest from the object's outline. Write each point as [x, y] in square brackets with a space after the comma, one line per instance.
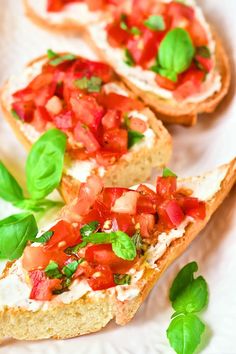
[95, 5]
[146, 224]
[123, 222]
[85, 136]
[24, 109]
[107, 158]
[181, 15]
[127, 203]
[197, 33]
[165, 83]
[64, 235]
[206, 63]
[170, 213]
[116, 140]
[138, 125]
[166, 186]
[111, 119]
[125, 104]
[41, 118]
[64, 120]
[55, 5]
[26, 94]
[190, 83]
[145, 190]
[115, 34]
[193, 207]
[147, 204]
[39, 257]
[42, 286]
[102, 278]
[111, 194]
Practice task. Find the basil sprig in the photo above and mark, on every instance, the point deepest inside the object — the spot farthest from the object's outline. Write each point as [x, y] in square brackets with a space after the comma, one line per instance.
[175, 54]
[155, 23]
[15, 232]
[134, 137]
[43, 174]
[168, 173]
[188, 296]
[91, 85]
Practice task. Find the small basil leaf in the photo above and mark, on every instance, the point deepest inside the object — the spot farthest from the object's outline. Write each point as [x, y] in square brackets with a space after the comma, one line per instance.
[92, 85]
[155, 23]
[184, 333]
[176, 51]
[182, 280]
[168, 173]
[16, 231]
[137, 240]
[51, 54]
[134, 137]
[37, 205]
[128, 59]
[82, 83]
[169, 74]
[123, 246]
[45, 237]
[193, 298]
[122, 279]
[15, 115]
[45, 163]
[74, 250]
[123, 24]
[101, 237]
[89, 229]
[9, 187]
[203, 52]
[135, 31]
[60, 59]
[52, 271]
[70, 268]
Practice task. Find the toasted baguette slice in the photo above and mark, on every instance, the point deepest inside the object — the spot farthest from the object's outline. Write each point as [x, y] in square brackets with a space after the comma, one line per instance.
[93, 310]
[169, 111]
[132, 168]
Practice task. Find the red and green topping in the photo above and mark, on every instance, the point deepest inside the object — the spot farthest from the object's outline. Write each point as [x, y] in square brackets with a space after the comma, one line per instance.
[70, 94]
[166, 38]
[93, 5]
[103, 234]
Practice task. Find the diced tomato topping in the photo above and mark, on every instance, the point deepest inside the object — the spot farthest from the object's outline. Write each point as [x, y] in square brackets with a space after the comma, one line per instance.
[138, 125]
[39, 257]
[64, 120]
[27, 94]
[143, 189]
[197, 33]
[146, 224]
[190, 83]
[116, 140]
[86, 137]
[111, 119]
[110, 195]
[64, 235]
[42, 286]
[95, 5]
[107, 158]
[123, 222]
[193, 207]
[55, 5]
[125, 104]
[127, 203]
[115, 34]
[102, 278]
[166, 186]
[165, 83]
[147, 204]
[206, 63]
[170, 213]
[24, 109]
[40, 119]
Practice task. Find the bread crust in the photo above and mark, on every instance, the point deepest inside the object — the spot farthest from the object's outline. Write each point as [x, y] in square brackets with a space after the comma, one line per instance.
[90, 314]
[170, 111]
[124, 172]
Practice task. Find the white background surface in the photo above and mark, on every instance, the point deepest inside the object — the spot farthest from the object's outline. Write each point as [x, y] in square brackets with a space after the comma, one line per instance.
[211, 142]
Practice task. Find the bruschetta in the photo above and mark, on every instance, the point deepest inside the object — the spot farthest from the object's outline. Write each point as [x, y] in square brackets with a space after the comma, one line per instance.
[167, 54]
[99, 260]
[110, 133]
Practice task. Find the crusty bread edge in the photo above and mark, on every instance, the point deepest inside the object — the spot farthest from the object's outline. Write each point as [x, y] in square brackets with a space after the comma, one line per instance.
[90, 314]
[170, 111]
[157, 156]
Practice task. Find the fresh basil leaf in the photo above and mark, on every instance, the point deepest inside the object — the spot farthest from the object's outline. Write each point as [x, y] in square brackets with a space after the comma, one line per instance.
[176, 51]
[37, 205]
[101, 237]
[82, 83]
[123, 24]
[123, 246]
[45, 237]
[60, 59]
[203, 52]
[137, 240]
[182, 280]
[193, 298]
[89, 229]
[16, 231]
[184, 333]
[155, 68]
[128, 59]
[10, 190]
[134, 137]
[135, 31]
[52, 271]
[92, 85]
[70, 268]
[122, 279]
[51, 54]
[45, 163]
[169, 74]
[168, 173]
[74, 250]
[155, 23]
[15, 115]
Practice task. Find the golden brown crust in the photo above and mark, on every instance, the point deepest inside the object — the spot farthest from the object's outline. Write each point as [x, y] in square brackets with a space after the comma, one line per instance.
[90, 314]
[173, 112]
[124, 172]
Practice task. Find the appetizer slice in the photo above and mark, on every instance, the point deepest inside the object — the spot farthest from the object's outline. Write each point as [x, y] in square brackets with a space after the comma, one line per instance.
[110, 133]
[69, 14]
[168, 54]
[103, 255]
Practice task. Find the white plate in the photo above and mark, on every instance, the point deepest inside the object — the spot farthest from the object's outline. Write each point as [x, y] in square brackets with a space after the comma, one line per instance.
[198, 149]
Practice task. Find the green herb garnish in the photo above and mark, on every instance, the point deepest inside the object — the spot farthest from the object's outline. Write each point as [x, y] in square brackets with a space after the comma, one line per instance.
[70, 268]
[91, 85]
[51, 54]
[168, 173]
[52, 271]
[122, 279]
[155, 23]
[60, 59]
[15, 115]
[135, 31]
[134, 137]
[128, 59]
[45, 237]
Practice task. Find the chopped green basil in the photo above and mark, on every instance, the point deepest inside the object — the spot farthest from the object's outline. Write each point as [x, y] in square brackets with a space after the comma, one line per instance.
[134, 137]
[168, 173]
[155, 23]
[122, 279]
[52, 271]
[15, 115]
[137, 240]
[89, 229]
[70, 268]
[123, 24]
[45, 237]
[60, 59]
[92, 85]
[128, 59]
[51, 54]
[203, 52]
[135, 30]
